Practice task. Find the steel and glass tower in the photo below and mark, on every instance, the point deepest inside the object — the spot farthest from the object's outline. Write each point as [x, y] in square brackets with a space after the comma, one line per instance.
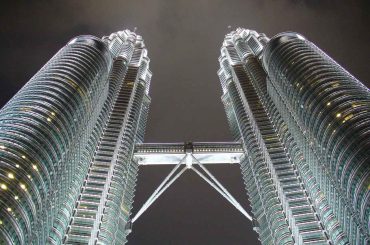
[71, 141]
[66, 144]
[304, 123]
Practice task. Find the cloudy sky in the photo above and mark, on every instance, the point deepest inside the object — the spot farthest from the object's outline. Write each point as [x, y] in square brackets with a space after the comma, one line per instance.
[183, 39]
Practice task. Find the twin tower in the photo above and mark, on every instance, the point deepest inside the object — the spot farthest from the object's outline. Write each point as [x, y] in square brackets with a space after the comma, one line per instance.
[71, 142]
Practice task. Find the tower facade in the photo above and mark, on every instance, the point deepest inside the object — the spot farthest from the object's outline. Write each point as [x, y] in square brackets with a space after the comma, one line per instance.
[71, 143]
[304, 123]
[66, 144]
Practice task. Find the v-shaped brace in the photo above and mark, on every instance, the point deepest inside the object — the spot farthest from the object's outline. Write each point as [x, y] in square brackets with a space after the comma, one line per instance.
[190, 162]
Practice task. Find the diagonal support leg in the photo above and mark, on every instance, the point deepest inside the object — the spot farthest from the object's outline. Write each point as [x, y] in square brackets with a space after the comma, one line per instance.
[220, 188]
[161, 188]
[189, 161]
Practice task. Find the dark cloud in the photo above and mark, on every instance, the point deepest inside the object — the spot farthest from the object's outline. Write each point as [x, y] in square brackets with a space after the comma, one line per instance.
[183, 39]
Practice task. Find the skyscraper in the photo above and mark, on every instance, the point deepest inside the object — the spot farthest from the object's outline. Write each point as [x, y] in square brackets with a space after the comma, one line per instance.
[71, 141]
[304, 123]
[66, 142]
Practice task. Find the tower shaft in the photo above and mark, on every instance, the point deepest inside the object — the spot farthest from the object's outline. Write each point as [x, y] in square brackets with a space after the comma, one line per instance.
[67, 141]
[296, 111]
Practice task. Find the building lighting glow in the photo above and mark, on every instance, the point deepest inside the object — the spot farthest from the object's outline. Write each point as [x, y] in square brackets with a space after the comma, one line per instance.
[23, 186]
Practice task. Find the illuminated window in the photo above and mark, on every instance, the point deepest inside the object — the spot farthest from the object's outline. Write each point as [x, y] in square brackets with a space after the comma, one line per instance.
[23, 186]
[3, 186]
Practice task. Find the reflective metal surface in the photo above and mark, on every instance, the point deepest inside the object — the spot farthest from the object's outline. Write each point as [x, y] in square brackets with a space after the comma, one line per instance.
[304, 124]
[172, 153]
[66, 143]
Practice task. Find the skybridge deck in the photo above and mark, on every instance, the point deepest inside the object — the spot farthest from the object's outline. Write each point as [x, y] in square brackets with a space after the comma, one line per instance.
[173, 153]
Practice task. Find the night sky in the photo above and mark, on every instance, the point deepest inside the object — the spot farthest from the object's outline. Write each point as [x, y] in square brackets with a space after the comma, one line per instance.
[183, 39]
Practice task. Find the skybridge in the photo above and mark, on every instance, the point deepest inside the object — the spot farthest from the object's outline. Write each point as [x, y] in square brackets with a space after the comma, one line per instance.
[188, 156]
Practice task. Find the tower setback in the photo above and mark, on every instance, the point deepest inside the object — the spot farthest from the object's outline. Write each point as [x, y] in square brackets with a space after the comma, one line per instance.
[304, 123]
[66, 143]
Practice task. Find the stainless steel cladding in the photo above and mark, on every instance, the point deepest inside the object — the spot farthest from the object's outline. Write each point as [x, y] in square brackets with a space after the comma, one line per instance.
[304, 123]
[66, 142]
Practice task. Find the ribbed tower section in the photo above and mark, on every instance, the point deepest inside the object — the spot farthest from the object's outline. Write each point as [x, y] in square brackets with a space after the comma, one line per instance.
[306, 178]
[328, 112]
[103, 206]
[66, 141]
